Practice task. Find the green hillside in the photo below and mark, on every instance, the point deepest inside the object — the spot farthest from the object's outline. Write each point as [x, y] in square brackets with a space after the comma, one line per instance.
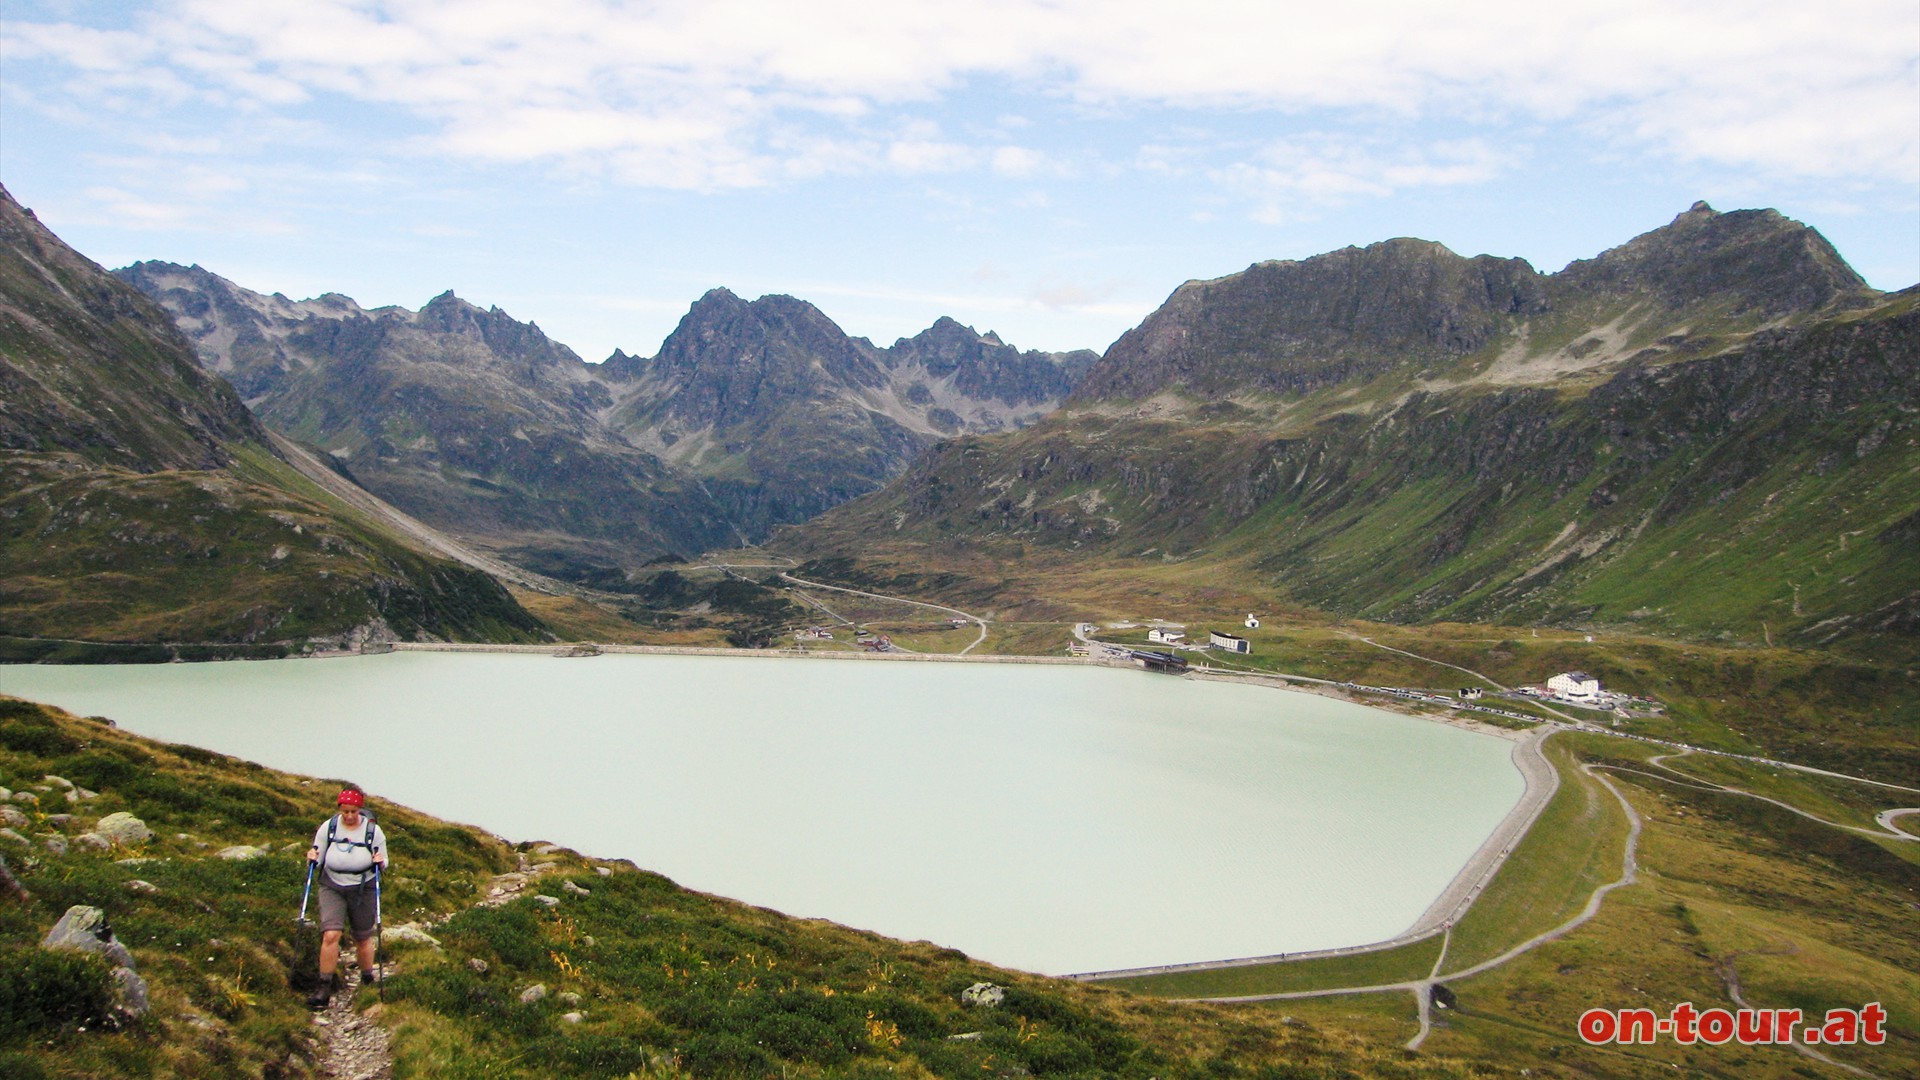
[141, 503]
[1759, 487]
[669, 982]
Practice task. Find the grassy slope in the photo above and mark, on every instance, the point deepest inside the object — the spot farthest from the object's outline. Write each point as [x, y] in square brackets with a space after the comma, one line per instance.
[664, 974]
[103, 554]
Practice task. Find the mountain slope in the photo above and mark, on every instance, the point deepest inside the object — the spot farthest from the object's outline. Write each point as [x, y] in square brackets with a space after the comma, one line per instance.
[1708, 431]
[785, 415]
[141, 502]
[752, 414]
[465, 418]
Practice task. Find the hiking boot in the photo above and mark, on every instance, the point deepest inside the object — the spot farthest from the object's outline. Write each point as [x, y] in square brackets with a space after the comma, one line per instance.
[321, 995]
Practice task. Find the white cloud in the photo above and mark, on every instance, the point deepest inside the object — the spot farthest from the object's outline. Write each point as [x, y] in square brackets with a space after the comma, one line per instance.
[1328, 170]
[716, 93]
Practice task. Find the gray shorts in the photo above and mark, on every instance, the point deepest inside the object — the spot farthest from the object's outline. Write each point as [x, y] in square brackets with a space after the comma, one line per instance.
[340, 906]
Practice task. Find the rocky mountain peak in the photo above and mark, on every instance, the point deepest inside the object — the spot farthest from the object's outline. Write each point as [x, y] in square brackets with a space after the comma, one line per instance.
[500, 332]
[1748, 259]
[1292, 326]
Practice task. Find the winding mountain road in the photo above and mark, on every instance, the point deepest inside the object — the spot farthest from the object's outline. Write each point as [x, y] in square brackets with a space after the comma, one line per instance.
[975, 619]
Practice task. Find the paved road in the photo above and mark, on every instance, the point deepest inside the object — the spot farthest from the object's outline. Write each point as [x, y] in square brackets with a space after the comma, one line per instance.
[977, 620]
[1884, 819]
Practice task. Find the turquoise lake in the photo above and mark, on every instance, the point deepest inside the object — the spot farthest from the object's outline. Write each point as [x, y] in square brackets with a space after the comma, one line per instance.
[1056, 819]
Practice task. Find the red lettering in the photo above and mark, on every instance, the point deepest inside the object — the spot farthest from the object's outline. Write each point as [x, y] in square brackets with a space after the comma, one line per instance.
[1756, 1026]
[1784, 1021]
[1873, 1018]
[1716, 1026]
[1637, 1026]
[1598, 1026]
[1842, 1026]
[1683, 1020]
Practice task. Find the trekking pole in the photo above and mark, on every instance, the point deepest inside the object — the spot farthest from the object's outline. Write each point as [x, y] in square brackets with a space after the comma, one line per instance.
[306, 892]
[379, 969]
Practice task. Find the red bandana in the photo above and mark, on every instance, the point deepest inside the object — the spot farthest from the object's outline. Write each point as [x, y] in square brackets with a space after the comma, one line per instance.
[352, 798]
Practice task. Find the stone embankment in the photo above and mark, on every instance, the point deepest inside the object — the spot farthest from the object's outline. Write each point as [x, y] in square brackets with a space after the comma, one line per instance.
[789, 654]
[1542, 781]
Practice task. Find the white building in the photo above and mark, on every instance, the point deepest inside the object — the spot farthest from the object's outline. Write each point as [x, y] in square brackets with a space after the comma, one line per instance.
[1575, 686]
[1229, 642]
[1166, 637]
[1253, 623]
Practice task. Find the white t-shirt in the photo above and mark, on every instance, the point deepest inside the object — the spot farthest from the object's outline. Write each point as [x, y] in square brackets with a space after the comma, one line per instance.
[348, 859]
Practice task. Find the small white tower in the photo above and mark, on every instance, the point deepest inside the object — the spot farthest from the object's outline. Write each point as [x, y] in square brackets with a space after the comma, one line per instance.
[1252, 623]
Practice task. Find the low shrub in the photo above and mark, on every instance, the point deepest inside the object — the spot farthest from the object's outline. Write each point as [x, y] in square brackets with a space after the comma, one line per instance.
[48, 988]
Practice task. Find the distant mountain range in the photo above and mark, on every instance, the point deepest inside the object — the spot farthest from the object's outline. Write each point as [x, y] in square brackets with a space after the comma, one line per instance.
[140, 501]
[1708, 431]
[1712, 430]
[753, 414]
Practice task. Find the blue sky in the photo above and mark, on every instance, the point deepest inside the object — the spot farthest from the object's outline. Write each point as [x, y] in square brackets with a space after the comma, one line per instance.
[1050, 170]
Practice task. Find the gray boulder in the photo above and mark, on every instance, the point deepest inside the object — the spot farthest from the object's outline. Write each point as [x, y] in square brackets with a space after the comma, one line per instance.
[129, 995]
[93, 841]
[54, 842]
[87, 930]
[26, 798]
[13, 818]
[983, 995]
[58, 781]
[568, 886]
[124, 829]
[533, 993]
[13, 837]
[409, 934]
[243, 851]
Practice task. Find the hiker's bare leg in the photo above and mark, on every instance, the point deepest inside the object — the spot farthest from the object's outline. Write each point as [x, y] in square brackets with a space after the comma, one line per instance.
[329, 954]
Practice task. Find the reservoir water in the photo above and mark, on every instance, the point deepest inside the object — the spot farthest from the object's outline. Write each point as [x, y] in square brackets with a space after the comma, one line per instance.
[1056, 819]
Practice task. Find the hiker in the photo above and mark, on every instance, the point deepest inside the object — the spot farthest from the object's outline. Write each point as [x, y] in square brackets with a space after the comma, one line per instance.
[348, 846]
